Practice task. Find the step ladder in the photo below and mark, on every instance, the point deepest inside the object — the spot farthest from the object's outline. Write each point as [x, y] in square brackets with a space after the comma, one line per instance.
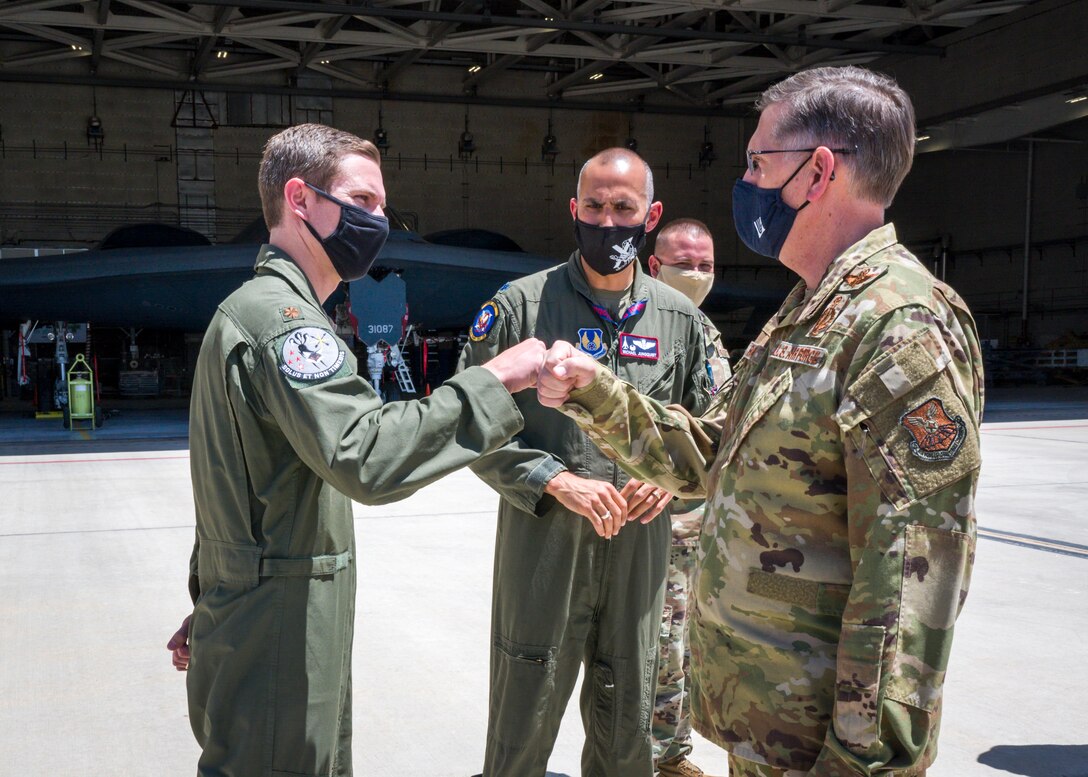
[404, 375]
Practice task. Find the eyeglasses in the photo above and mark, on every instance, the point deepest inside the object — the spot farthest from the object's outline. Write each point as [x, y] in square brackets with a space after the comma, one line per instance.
[752, 152]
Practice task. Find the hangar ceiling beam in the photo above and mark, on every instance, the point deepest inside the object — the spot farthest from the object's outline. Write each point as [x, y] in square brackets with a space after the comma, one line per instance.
[207, 45]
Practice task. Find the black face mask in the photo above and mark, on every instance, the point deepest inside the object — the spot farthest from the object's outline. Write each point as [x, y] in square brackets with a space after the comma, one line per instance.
[609, 250]
[354, 244]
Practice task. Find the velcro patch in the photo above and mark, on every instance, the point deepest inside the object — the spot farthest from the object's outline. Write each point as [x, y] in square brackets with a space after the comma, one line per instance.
[484, 320]
[938, 436]
[808, 355]
[863, 276]
[310, 354]
[591, 341]
[639, 347]
[827, 318]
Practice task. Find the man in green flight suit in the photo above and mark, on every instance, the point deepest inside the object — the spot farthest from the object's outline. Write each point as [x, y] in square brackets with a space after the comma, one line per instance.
[568, 589]
[284, 433]
[683, 258]
[840, 467]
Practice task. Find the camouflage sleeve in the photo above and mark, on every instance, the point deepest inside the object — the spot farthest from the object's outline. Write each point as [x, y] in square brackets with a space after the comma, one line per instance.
[910, 423]
[660, 444]
[516, 471]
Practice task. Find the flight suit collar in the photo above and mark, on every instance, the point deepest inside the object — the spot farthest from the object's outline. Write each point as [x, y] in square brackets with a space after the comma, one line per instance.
[276, 261]
[639, 287]
[873, 243]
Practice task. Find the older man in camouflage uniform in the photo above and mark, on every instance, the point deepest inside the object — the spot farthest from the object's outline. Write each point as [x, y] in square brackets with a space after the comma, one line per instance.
[841, 468]
[683, 258]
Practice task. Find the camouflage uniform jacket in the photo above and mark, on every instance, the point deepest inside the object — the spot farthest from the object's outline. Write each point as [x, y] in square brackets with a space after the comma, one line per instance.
[282, 432]
[687, 515]
[716, 356]
[840, 530]
[558, 304]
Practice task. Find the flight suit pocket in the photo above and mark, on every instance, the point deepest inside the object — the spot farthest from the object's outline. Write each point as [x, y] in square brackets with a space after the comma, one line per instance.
[857, 690]
[935, 572]
[606, 706]
[523, 684]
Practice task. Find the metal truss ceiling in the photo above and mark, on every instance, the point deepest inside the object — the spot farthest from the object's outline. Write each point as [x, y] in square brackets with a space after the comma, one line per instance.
[695, 55]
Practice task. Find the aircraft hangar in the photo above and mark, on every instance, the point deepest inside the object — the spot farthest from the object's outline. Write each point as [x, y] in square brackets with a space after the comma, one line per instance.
[147, 118]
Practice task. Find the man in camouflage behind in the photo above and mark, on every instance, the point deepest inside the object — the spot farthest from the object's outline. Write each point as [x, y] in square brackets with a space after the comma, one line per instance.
[683, 258]
[841, 467]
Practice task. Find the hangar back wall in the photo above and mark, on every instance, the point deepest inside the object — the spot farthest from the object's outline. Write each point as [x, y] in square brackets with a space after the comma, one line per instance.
[61, 190]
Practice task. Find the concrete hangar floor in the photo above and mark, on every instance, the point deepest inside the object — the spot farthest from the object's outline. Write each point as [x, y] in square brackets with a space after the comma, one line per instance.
[96, 529]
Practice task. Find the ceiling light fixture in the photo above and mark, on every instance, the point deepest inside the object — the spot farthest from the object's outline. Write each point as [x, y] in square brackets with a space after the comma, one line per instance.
[1080, 99]
[475, 69]
[596, 76]
[920, 138]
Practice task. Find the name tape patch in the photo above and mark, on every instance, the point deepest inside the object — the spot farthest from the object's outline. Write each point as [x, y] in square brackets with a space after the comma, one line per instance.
[808, 355]
[639, 347]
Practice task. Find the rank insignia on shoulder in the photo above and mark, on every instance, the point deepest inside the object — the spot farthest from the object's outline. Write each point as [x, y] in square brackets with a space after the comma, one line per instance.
[309, 354]
[639, 347]
[937, 435]
[863, 276]
[483, 322]
[591, 341]
[827, 318]
[809, 355]
[290, 313]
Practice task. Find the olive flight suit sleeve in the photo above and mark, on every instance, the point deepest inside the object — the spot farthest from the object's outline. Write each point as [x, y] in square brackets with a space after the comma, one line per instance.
[516, 471]
[910, 424]
[377, 453]
[660, 444]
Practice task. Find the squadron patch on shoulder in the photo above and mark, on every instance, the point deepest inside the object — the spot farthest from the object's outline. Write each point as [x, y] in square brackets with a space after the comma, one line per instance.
[591, 341]
[827, 318]
[937, 435]
[861, 277]
[309, 354]
[809, 355]
[483, 322]
[290, 313]
[639, 347]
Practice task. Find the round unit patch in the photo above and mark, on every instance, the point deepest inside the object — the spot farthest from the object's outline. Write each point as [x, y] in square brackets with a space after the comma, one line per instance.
[310, 354]
[485, 319]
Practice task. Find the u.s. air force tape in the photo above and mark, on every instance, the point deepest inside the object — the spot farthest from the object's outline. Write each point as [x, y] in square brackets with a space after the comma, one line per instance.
[310, 354]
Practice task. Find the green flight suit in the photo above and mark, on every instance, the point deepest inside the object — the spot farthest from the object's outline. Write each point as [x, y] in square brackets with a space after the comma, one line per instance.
[564, 597]
[283, 434]
[840, 529]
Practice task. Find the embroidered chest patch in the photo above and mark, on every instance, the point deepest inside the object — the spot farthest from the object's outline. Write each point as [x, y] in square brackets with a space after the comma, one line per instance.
[310, 354]
[861, 277]
[639, 347]
[591, 341]
[483, 322]
[808, 355]
[827, 318]
[937, 435]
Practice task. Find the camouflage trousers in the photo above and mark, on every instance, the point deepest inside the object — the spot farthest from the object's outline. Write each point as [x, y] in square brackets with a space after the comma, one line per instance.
[741, 767]
[671, 723]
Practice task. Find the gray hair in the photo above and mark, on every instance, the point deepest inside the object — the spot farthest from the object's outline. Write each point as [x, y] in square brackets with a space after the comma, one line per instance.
[312, 152]
[854, 108]
[610, 155]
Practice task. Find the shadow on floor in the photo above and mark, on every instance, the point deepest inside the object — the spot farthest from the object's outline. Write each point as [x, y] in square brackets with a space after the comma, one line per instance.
[1038, 760]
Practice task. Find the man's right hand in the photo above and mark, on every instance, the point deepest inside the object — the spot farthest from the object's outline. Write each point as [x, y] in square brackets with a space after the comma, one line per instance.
[179, 646]
[599, 502]
[517, 367]
[565, 369]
